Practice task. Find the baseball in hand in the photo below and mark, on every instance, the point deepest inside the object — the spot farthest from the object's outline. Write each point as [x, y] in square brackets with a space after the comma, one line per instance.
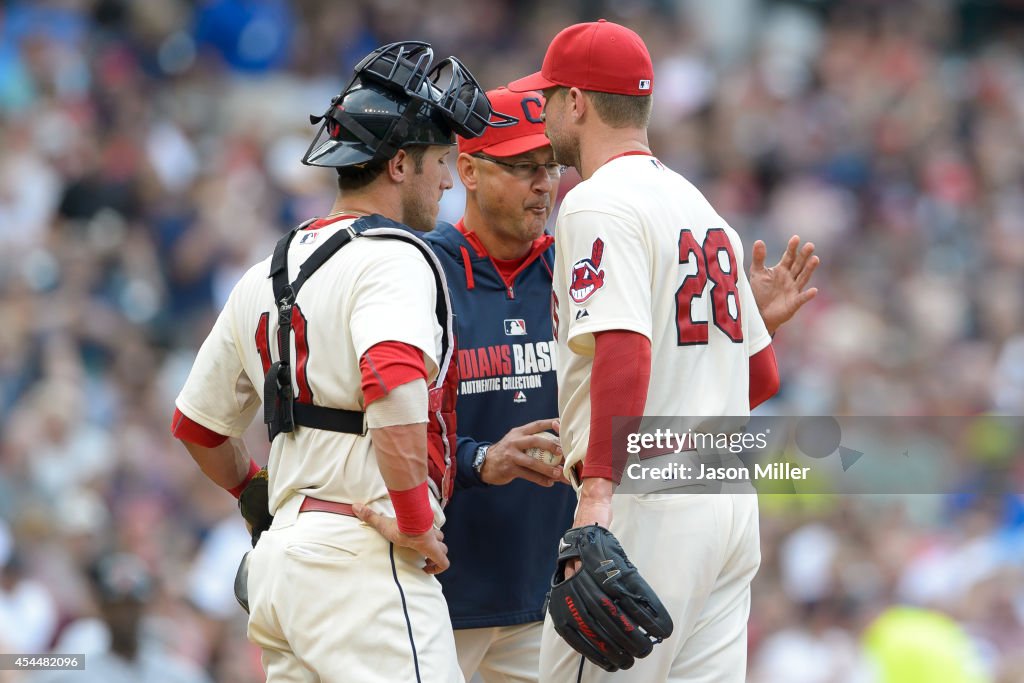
[545, 456]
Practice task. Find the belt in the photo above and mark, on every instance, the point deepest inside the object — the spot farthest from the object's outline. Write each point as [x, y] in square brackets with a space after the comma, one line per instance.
[318, 505]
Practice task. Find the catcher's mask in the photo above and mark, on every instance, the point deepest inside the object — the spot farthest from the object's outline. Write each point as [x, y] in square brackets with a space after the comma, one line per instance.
[396, 98]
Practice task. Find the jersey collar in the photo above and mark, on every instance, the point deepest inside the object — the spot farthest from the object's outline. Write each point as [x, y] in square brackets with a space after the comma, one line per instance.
[324, 222]
[507, 270]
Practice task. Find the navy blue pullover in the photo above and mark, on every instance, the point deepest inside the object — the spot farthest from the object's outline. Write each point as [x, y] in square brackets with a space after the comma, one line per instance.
[502, 540]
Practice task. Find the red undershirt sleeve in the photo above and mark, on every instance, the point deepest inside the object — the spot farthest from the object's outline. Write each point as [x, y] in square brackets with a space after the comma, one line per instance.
[387, 365]
[618, 387]
[764, 376]
[186, 429]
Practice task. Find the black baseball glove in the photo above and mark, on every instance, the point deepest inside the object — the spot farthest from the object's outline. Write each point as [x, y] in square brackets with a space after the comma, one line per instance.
[606, 611]
[254, 504]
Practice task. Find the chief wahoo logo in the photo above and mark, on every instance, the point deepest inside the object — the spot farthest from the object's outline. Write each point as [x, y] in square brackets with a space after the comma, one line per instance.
[587, 277]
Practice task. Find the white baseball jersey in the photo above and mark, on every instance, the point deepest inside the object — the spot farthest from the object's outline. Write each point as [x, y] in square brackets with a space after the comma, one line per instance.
[372, 290]
[640, 249]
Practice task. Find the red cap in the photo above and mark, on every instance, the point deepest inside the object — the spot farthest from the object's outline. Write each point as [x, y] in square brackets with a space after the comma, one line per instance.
[600, 56]
[509, 141]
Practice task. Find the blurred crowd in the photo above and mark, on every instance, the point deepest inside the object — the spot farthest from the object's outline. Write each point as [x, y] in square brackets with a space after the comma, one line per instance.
[149, 153]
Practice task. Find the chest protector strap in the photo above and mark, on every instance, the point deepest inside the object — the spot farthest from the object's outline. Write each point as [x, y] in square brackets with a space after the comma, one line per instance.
[281, 411]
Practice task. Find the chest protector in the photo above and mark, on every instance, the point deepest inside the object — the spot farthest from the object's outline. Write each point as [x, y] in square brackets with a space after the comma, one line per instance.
[283, 413]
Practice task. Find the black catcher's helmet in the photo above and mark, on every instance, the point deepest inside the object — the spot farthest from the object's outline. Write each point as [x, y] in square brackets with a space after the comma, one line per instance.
[397, 98]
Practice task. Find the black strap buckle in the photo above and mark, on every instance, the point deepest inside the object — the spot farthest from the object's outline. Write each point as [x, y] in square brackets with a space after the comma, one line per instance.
[278, 400]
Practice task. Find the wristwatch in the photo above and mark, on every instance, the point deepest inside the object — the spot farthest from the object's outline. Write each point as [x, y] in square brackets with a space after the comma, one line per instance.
[478, 459]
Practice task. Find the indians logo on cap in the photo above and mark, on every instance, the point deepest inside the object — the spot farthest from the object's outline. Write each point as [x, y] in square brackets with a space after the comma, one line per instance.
[587, 277]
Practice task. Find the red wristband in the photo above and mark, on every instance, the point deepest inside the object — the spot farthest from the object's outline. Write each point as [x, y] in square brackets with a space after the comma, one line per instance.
[253, 469]
[412, 509]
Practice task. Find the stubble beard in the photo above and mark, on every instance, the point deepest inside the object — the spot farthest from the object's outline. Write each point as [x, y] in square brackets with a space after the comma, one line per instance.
[566, 150]
[418, 212]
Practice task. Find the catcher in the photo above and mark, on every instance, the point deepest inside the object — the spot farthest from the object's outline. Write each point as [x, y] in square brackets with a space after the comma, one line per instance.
[345, 336]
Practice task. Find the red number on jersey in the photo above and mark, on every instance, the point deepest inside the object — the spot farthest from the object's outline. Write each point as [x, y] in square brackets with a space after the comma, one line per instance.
[723, 286]
[305, 394]
[263, 341]
[690, 332]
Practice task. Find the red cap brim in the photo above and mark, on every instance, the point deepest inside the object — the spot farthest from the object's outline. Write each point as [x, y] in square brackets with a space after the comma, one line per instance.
[532, 82]
[510, 148]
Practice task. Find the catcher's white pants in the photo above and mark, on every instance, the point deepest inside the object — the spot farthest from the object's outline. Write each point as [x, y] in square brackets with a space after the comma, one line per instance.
[333, 602]
[500, 654]
[699, 552]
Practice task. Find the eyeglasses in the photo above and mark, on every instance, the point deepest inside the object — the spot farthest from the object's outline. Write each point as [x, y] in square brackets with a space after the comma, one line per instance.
[525, 170]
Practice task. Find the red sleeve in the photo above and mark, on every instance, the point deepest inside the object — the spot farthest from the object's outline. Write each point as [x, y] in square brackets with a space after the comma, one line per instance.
[618, 386]
[186, 429]
[388, 365]
[764, 376]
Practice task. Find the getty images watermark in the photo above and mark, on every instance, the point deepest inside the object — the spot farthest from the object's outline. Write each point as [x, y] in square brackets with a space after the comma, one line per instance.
[823, 454]
[666, 442]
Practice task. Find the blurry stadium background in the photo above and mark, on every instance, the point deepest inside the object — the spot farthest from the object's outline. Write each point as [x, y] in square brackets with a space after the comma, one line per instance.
[149, 152]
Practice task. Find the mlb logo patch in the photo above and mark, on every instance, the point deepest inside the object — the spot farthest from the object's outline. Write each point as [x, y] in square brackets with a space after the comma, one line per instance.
[645, 84]
[519, 397]
[308, 238]
[515, 327]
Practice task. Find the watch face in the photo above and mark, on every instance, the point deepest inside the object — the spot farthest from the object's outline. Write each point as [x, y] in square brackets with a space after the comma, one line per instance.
[478, 461]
